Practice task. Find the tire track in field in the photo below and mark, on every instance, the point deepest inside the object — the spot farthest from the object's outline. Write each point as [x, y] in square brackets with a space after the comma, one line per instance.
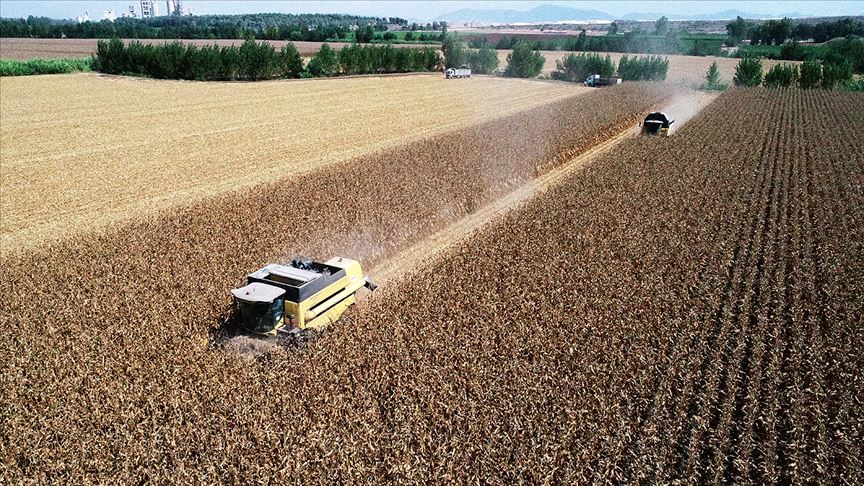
[403, 262]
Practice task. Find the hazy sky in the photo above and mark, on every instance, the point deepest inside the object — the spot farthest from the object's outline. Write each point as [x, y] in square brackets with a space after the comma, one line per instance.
[424, 10]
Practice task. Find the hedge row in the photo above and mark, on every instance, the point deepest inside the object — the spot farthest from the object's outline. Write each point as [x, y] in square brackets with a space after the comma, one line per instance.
[10, 67]
[254, 61]
[577, 67]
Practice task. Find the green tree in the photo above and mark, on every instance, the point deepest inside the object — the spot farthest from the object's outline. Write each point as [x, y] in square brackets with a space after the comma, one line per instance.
[811, 74]
[645, 68]
[257, 59]
[454, 51]
[613, 28]
[712, 77]
[483, 60]
[289, 64]
[577, 67]
[350, 59]
[772, 32]
[737, 30]
[524, 62]
[781, 76]
[850, 49]
[581, 41]
[325, 63]
[836, 74]
[364, 34]
[110, 56]
[230, 57]
[661, 26]
[792, 51]
[748, 72]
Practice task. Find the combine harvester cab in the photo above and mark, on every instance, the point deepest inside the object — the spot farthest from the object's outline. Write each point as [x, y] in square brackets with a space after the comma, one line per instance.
[303, 295]
[656, 123]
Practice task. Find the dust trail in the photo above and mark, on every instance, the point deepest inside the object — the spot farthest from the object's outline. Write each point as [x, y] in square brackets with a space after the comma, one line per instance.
[684, 107]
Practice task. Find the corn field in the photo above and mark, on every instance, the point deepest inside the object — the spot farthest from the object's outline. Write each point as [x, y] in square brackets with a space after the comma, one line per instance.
[685, 310]
[110, 370]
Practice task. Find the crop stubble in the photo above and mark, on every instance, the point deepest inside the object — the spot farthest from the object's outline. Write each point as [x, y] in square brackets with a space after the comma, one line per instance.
[108, 367]
[81, 152]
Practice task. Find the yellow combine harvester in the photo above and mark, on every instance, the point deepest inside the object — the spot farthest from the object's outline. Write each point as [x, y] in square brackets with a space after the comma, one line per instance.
[303, 295]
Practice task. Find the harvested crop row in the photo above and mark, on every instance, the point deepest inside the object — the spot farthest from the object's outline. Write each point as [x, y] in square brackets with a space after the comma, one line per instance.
[108, 368]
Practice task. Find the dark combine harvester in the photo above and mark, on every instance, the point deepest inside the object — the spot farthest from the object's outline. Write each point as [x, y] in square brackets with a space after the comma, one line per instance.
[656, 123]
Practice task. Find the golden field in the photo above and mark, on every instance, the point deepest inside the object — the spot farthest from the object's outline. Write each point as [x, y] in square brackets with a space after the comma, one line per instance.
[82, 151]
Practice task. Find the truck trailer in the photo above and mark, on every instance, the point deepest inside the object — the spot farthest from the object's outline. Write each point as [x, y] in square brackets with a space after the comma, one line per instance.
[452, 73]
[595, 80]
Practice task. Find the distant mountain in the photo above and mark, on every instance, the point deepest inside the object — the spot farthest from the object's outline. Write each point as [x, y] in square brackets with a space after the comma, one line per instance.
[543, 13]
[724, 15]
[647, 16]
[559, 13]
[732, 14]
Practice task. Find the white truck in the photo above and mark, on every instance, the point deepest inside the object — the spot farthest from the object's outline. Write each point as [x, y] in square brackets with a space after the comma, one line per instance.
[596, 80]
[462, 72]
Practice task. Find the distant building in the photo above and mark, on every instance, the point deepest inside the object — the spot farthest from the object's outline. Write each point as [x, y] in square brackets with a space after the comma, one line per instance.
[148, 9]
[132, 11]
[83, 18]
[175, 7]
[109, 15]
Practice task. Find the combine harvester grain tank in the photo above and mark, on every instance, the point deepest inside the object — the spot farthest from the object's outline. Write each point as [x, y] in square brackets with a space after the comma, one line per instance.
[288, 299]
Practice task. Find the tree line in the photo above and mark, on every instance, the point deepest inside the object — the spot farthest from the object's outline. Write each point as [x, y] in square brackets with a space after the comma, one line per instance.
[835, 51]
[481, 61]
[812, 73]
[576, 67]
[776, 32]
[668, 42]
[255, 60]
[526, 61]
[522, 62]
[273, 26]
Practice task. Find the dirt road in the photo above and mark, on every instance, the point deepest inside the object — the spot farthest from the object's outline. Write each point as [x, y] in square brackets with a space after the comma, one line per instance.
[682, 109]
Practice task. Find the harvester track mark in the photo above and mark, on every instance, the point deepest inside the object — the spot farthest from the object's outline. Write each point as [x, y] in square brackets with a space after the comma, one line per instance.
[392, 268]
